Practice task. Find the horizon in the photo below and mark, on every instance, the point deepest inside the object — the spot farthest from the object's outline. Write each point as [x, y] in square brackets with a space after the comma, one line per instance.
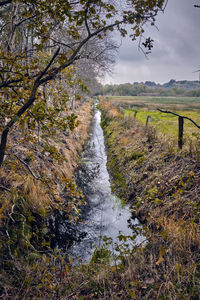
[157, 83]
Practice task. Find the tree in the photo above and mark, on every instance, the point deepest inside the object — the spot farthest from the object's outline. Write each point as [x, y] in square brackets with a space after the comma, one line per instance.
[63, 31]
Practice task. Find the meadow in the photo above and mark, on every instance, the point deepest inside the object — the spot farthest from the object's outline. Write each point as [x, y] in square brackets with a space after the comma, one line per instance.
[149, 102]
[165, 124]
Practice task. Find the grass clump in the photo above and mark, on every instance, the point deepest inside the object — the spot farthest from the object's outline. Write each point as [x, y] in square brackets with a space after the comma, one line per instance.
[136, 155]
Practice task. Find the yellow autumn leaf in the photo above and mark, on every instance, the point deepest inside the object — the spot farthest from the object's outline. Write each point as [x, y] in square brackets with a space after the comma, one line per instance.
[132, 294]
[70, 260]
[66, 268]
[26, 79]
[159, 261]
[191, 173]
[113, 268]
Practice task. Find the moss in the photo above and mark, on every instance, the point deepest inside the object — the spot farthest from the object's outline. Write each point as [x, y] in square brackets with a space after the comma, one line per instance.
[136, 155]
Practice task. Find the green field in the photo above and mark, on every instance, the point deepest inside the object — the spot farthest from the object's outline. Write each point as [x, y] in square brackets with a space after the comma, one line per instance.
[148, 102]
[166, 124]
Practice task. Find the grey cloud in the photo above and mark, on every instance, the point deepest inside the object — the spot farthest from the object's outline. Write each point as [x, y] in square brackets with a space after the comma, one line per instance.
[176, 52]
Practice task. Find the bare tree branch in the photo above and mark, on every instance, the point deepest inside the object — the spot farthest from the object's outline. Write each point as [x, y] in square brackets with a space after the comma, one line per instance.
[75, 53]
[9, 82]
[49, 64]
[24, 20]
[62, 44]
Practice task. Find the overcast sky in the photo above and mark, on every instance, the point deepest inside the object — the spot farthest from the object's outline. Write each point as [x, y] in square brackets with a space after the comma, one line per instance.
[176, 52]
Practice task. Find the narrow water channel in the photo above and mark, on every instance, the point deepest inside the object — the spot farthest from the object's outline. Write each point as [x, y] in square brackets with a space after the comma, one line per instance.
[105, 215]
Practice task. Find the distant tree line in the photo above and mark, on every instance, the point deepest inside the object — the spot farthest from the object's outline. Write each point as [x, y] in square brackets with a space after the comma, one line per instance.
[150, 88]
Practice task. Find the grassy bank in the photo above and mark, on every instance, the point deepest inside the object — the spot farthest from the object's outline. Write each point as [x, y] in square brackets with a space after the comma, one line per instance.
[163, 186]
[38, 195]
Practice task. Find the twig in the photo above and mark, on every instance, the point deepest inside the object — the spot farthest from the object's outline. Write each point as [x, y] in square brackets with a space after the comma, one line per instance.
[7, 233]
[69, 297]
[12, 211]
[24, 20]
[61, 43]
[86, 22]
[164, 6]
[27, 166]
[4, 188]
[49, 64]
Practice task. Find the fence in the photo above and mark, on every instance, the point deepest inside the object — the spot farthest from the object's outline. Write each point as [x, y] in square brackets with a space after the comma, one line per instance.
[180, 124]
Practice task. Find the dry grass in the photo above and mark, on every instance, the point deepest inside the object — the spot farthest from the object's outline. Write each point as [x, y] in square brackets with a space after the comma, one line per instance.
[114, 113]
[36, 194]
[36, 182]
[152, 103]
[32, 172]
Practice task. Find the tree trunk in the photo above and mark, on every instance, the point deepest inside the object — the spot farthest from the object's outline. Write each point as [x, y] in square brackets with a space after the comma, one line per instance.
[4, 137]
[12, 32]
[10, 124]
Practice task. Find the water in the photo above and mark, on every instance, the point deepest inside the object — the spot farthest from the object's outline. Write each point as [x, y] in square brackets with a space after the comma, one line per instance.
[105, 215]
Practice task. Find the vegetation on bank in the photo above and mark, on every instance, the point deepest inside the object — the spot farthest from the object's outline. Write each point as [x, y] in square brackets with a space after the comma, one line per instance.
[39, 197]
[163, 186]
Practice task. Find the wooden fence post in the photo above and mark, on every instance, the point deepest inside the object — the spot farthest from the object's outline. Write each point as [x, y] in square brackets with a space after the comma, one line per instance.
[147, 120]
[180, 125]
[135, 115]
[180, 132]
